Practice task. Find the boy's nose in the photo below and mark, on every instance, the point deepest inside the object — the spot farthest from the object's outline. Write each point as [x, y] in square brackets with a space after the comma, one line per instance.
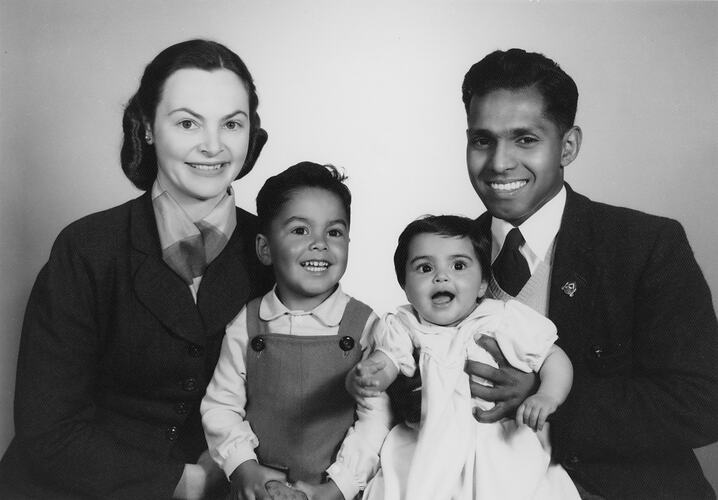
[319, 244]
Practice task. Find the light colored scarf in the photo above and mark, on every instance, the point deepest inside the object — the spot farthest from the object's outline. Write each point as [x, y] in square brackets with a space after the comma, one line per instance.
[189, 247]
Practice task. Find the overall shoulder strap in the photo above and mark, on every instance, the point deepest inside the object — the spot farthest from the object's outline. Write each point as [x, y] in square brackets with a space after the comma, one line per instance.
[354, 319]
[255, 326]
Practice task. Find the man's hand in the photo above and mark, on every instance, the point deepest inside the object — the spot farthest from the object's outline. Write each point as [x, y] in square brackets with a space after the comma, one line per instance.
[510, 385]
[249, 479]
[324, 491]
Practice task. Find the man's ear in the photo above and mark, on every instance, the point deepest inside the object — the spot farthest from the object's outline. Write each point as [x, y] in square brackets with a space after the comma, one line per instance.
[262, 247]
[571, 145]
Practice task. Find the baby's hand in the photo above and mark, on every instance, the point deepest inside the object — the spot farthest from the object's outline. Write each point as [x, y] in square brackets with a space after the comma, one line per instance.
[535, 410]
[324, 491]
[361, 382]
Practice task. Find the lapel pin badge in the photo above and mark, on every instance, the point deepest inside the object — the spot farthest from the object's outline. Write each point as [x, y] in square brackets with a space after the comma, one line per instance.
[569, 288]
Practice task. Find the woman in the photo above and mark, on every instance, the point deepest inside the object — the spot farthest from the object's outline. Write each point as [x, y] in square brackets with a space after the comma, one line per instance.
[125, 321]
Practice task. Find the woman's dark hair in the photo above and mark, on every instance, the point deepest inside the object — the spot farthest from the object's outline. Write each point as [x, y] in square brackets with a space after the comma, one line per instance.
[452, 226]
[139, 161]
[516, 69]
[277, 190]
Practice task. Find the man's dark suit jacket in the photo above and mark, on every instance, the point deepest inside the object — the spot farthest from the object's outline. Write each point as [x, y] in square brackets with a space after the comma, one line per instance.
[115, 357]
[641, 332]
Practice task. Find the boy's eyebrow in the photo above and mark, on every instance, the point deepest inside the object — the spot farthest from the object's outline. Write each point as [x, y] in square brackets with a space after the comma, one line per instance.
[197, 115]
[298, 218]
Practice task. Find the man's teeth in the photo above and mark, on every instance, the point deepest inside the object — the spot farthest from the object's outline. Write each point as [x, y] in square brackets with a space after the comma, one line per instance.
[202, 166]
[315, 265]
[507, 186]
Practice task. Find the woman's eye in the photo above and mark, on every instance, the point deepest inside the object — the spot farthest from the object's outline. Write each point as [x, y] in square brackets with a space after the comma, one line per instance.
[233, 125]
[187, 124]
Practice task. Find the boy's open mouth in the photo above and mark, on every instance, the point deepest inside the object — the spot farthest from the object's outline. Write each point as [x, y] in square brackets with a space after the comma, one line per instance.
[442, 298]
[315, 265]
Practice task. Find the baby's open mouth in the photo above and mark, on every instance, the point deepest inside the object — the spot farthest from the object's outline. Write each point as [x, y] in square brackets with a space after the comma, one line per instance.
[441, 298]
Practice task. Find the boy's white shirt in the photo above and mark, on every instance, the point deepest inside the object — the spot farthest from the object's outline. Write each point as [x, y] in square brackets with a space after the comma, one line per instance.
[230, 437]
[538, 231]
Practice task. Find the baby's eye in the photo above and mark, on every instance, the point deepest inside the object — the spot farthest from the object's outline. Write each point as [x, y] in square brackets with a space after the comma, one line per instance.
[187, 124]
[335, 233]
[424, 268]
[459, 266]
[299, 230]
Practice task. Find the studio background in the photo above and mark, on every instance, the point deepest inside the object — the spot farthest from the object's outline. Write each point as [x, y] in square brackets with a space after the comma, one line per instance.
[371, 86]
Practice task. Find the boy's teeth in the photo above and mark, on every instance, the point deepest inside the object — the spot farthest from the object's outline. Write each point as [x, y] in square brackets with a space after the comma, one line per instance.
[315, 265]
[507, 186]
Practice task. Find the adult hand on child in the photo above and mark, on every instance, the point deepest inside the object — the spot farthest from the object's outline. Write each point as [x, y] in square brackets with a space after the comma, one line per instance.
[324, 491]
[535, 410]
[510, 385]
[249, 480]
[281, 491]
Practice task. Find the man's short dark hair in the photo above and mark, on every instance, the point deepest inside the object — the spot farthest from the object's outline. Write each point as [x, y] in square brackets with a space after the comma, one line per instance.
[442, 225]
[516, 69]
[278, 189]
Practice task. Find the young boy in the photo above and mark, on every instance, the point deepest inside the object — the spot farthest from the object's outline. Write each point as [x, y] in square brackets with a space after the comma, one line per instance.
[633, 311]
[442, 266]
[276, 409]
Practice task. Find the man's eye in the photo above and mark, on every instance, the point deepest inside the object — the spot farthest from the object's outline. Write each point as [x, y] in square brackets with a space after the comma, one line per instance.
[527, 140]
[481, 141]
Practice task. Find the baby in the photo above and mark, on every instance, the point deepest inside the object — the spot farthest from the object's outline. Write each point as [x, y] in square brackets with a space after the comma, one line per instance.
[443, 268]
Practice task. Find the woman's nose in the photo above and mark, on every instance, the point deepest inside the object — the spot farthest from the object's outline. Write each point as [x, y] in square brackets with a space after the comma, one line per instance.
[211, 143]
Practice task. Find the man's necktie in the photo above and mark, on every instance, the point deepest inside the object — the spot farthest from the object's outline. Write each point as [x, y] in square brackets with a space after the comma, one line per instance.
[510, 268]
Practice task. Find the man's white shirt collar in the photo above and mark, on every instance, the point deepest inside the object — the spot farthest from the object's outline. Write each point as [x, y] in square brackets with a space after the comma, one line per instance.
[539, 231]
[329, 313]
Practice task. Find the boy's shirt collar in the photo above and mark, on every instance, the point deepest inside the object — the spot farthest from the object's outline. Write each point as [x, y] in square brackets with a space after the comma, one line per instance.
[539, 230]
[329, 313]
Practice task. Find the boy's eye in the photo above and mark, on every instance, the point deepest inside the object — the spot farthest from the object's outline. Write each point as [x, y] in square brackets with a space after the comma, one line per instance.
[336, 233]
[187, 124]
[299, 230]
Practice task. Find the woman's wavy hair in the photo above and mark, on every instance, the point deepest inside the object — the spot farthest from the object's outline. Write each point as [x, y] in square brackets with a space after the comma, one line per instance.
[138, 159]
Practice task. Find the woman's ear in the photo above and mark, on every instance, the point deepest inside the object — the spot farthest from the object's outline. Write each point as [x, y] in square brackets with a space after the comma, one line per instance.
[571, 145]
[482, 290]
[263, 253]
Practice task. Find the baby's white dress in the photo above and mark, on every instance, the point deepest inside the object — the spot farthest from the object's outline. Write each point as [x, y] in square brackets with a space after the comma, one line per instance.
[450, 455]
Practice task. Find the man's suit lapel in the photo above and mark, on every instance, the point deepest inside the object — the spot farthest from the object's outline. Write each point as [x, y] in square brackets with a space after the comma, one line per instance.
[162, 291]
[573, 282]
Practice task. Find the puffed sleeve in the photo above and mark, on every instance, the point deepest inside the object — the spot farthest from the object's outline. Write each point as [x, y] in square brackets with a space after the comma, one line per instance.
[393, 337]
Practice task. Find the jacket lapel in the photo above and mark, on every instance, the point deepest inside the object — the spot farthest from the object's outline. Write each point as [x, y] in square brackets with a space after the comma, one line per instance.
[572, 291]
[226, 285]
[157, 287]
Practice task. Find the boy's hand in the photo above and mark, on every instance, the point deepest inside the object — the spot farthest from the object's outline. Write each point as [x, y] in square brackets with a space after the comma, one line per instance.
[535, 410]
[510, 385]
[324, 491]
[361, 382]
[249, 479]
